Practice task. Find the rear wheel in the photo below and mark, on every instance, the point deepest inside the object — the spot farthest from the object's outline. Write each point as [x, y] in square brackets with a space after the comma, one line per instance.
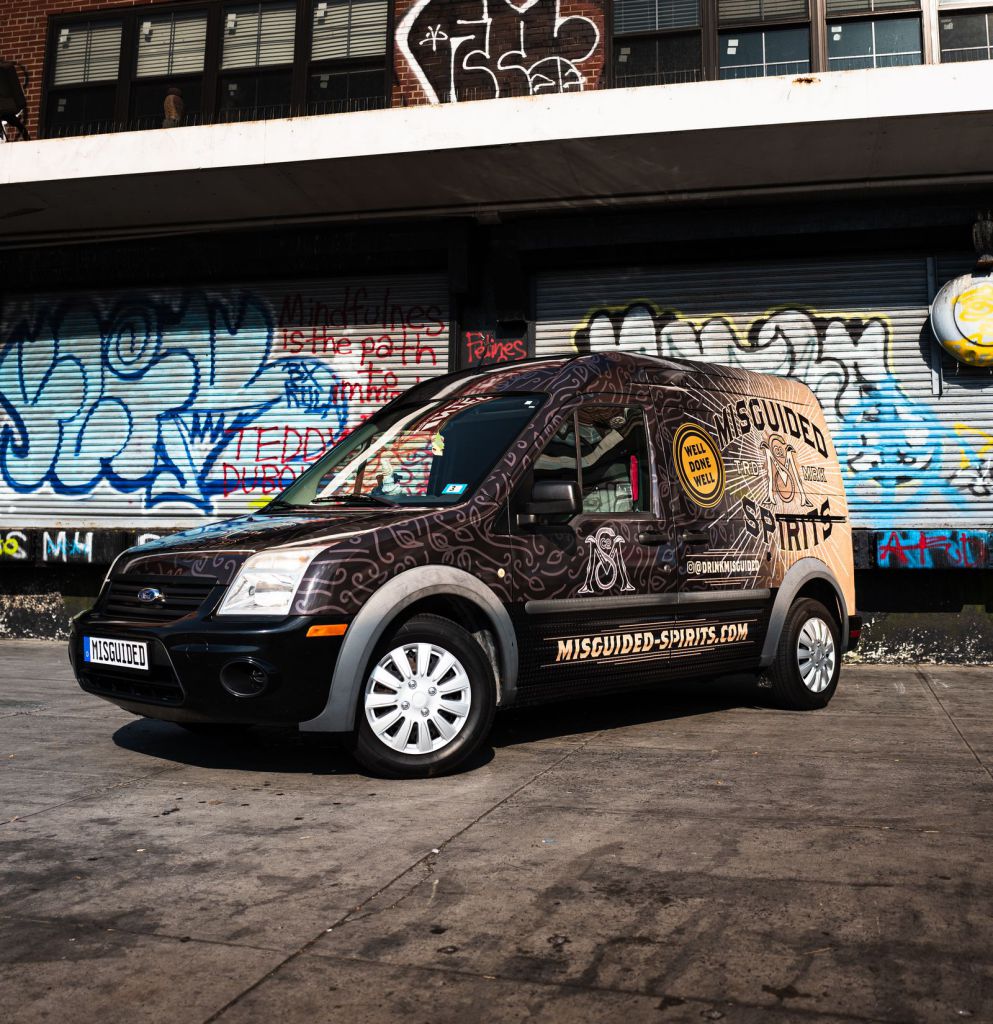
[804, 674]
[427, 701]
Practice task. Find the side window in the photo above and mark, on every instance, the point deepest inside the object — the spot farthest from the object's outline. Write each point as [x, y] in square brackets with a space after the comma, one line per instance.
[614, 459]
[559, 462]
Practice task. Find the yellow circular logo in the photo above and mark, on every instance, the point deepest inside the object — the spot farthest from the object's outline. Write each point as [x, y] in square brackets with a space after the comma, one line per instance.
[699, 465]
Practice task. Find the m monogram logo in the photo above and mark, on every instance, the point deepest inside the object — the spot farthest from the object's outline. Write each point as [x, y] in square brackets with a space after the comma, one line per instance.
[606, 567]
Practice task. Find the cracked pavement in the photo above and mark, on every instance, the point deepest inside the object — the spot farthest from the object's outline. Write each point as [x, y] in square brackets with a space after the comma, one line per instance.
[683, 855]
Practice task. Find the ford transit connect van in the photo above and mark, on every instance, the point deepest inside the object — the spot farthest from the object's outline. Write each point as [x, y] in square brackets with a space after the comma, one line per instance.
[500, 537]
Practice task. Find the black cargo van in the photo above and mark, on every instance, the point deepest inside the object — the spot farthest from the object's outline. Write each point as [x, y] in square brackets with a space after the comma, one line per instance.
[493, 538]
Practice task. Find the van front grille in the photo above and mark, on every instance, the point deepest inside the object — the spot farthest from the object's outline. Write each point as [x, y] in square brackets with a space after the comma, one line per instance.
[179, 597]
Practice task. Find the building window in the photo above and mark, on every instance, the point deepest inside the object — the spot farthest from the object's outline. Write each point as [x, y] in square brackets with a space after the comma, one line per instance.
[761, 10]
[867, 6]
[348, 54]
[877, 43]
[755, 53]
[84, 70]
[170, 56]
[655, 15]
[257, 60]
[200, 61]
[349, 29]
[171, 44]
[651, 44]
[965, 35]
[88, 53]
[659, 60]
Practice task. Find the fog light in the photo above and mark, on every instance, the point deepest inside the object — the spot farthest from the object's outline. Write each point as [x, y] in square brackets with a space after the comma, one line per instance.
[245, 678]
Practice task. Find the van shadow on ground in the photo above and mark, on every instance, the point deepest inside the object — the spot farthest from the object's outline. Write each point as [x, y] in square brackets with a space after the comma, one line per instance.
[285, 750]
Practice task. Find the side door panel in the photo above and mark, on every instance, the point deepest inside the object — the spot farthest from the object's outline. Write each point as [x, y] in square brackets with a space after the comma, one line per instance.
[595, 594]
[724, 566]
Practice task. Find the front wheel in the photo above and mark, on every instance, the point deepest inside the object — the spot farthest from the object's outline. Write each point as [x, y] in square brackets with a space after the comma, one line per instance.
[804, 674]
[427, 701]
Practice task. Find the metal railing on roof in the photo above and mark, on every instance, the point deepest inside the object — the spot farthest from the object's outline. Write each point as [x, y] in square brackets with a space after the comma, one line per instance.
[274, 112]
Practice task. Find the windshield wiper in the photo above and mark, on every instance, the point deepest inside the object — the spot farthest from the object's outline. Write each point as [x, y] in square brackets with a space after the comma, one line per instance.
[355, 499]
[277, 504]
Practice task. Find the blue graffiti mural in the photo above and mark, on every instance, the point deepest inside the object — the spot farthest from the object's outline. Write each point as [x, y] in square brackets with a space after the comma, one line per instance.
[155, 396]
[896, 453]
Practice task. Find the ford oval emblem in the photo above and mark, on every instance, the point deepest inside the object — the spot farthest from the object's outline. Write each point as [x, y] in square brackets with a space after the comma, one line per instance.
[149, 595]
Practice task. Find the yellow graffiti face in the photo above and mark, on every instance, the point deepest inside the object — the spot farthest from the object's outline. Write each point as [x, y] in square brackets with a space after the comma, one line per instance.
[699, 465]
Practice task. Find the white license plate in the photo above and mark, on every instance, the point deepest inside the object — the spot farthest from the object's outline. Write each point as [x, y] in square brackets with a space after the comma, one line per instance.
[119, 653]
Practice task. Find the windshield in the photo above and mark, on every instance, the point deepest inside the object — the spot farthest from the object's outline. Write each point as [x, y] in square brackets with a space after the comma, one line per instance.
[431, 454]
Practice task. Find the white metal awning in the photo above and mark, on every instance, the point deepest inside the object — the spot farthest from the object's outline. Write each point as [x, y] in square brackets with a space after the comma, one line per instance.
[856, 131]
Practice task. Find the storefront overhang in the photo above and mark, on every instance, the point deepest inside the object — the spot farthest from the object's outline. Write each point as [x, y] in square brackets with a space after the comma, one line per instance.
[849, 133]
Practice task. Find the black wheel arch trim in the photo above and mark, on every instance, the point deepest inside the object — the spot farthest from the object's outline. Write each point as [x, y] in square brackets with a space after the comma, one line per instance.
[797, 577]
[382, 610]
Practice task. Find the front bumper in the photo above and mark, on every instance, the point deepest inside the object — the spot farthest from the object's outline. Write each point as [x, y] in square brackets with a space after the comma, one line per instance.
[186, 661]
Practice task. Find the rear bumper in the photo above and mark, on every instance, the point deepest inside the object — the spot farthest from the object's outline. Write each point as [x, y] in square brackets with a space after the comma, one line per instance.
[187, 660]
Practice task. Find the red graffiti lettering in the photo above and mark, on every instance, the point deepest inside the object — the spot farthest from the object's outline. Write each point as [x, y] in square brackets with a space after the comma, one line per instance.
[482, 348]
[353, 308]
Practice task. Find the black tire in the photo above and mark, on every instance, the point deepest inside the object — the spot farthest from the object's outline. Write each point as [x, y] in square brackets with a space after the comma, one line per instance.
[803, 629]
[471, 674]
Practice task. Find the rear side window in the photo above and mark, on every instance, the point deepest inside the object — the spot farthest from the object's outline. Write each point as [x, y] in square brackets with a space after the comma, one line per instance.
[613, 453]
[604, 449]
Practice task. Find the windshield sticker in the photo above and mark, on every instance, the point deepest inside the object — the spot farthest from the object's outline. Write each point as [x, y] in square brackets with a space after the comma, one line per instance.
[699, 465]
[454, 488]
[437, 445]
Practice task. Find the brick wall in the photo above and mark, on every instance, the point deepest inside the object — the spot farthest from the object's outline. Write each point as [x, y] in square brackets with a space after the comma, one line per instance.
[24, 29]
[568, 60]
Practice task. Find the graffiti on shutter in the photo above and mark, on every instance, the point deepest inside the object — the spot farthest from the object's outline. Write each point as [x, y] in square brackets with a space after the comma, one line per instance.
[910, 458]
[168, 407]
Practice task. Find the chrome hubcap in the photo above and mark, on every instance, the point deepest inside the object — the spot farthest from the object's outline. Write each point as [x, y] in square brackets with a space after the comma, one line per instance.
[417, 698]
[816, 655]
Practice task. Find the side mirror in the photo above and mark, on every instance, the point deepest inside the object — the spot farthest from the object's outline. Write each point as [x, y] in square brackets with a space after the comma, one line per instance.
[551, 498]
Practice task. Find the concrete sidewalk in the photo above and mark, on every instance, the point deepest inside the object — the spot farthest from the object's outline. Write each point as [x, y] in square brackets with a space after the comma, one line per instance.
[682, 856]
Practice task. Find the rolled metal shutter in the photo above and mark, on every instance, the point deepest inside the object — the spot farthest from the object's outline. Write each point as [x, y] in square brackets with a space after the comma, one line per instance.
[172, 407]
[855, 330]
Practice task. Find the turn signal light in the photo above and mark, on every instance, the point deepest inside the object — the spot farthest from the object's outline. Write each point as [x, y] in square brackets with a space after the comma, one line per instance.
[337, 630]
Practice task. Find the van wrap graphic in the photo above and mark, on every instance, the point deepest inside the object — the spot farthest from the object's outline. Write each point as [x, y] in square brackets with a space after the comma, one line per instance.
[368, 547]
[784, 497]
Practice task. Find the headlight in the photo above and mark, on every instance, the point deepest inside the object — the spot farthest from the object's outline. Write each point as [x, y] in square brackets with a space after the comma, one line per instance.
[267, 582]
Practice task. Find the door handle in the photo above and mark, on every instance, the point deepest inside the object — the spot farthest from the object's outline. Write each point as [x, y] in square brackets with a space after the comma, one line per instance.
[691, 538]
[652, 537]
